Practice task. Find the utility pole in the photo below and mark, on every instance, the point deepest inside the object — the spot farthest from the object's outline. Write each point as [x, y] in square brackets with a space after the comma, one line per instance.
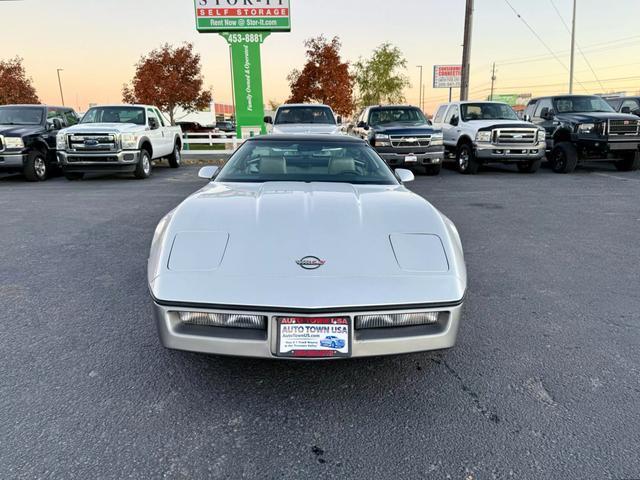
[420, 87]
[493, 79]
[466, 51]
[422, 104]
[573, 46]
[60, 85]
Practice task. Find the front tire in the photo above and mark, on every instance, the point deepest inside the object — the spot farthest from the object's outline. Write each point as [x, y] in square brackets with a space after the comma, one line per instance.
[564, 158]
[143, 168]
[175, 159]
[466, 158]
[35, 169]
[432, 170]
[629, 162]
[531, 166]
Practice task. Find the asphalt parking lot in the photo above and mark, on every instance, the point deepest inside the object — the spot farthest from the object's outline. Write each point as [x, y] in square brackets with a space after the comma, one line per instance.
[543, 384]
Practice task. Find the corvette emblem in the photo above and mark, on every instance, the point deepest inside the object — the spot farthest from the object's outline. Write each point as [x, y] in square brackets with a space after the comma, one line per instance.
[310, 263]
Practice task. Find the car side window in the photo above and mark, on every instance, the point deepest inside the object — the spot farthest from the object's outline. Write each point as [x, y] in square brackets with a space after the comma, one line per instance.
[160, 117]
[151, 114]
[451, 114]
[531, 108]
[56, 113]
[544, 103]
[631, 104]
[440, 114]
[70, 117]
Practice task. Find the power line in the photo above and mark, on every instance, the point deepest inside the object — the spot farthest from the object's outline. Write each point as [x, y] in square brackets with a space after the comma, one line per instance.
[579, 49]
[540, 39]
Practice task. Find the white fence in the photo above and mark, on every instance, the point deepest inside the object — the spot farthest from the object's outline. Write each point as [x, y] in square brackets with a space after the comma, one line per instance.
[228, 140]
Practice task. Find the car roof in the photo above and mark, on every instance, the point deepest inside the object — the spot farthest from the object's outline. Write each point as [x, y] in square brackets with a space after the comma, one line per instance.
[137, 105]
[393, 106]
[562, 96]
[33, 105]
[304, 105]
[306, 138]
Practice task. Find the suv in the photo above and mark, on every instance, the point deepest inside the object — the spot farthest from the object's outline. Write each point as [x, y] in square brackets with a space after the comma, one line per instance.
[402, 136]
[304, 118]
[118, 138]
[583, 127]
[28, 138]
[489, 132]
[625, 104]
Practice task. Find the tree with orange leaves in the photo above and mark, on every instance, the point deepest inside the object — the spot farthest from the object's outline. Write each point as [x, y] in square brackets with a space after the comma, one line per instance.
[169, 78]
[325, 78]
[15, 86]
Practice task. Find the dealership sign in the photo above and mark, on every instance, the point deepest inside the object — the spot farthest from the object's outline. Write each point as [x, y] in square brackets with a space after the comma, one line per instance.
[243, 15]
[447, 76]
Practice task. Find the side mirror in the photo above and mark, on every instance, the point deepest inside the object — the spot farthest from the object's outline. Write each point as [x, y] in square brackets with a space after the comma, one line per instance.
[208, 172]
[362, 125]
[625, 110]
[55, 124]
[636, 112]
[339, 120]
[404, 175]
[526, 117]
[153, 124]
[454, 121]
[268, 119]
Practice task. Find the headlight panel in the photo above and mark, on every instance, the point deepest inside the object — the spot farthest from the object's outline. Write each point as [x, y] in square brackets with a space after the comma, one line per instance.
[13, 142]
[542, 135]
[129, 141]
[437, 139]
[483, 137]
[225, 320]
[587, 128]
[386, 320]
[382, 140]
[61, 141]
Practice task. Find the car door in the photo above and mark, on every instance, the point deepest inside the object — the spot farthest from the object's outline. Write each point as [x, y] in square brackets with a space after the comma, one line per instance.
[450, 127]
[156, 134]
[55, 119]
[167, 133]
[543, 106]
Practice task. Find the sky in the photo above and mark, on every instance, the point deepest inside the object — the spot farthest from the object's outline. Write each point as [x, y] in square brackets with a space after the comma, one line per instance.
[98, 42]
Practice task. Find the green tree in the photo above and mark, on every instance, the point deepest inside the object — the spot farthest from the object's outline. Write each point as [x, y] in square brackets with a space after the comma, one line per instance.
[381, 78]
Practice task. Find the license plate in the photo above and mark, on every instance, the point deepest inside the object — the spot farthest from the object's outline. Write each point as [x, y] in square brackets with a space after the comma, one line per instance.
[410, 159]
[314, 337]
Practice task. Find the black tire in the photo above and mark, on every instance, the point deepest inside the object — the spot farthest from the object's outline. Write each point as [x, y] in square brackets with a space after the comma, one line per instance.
[143, 168]
[175, 159]
[564, 158]
[35, 168]
[466, 160]
[629, 162]
[531, 166]
[432, 170]
[71, 176]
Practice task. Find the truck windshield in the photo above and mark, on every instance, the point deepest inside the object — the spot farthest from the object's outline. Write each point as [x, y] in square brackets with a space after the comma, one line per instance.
[291, 115]
[383, 116]
[115, 115]
[260, 160]
[581, 105]
[21, 116]
[487, 111]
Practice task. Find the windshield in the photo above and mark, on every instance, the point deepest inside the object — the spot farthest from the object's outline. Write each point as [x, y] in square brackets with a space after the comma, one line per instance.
[20, 116]
[580, 105]
[487, 111]
[115, 115]
[259, 161]
[289, 115]
[383, 116]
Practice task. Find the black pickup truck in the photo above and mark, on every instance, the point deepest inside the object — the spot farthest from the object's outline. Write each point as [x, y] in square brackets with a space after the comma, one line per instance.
[402, 136]
[28, 138]
[585, 127]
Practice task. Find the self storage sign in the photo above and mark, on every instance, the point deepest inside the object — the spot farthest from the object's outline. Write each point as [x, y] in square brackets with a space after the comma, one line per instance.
[243, 15]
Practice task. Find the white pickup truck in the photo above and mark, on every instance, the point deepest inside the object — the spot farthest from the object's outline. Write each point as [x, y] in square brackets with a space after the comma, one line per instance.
[118, 138]
[303, 118]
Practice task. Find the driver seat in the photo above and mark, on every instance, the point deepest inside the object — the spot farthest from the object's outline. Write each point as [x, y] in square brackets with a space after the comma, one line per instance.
[341, 165]
[273, 166]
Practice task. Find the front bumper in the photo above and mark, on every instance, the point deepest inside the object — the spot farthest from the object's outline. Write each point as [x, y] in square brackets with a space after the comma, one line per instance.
[124, 161]
[396, 159]
[603, 147]
[263, 343]
[12, 160]
[509, 153]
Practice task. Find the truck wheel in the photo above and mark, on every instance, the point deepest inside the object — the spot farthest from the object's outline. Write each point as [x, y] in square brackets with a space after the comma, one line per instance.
[175, 159]
[629, 162]
[432, 170]
[143, 168]
[466, 158]
[564, 158]
[35, 168]
[73, 175]
[531, 166]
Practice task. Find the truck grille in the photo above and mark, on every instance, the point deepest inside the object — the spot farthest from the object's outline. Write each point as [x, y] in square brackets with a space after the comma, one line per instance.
[515, 136]
[95, 142]
[624, 127]
[410, 141]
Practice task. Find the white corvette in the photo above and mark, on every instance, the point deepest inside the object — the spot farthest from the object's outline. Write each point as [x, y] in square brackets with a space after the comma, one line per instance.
[306, 247]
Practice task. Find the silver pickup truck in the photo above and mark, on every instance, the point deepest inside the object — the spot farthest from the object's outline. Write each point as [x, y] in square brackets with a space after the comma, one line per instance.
[489, 132]
[118, 139]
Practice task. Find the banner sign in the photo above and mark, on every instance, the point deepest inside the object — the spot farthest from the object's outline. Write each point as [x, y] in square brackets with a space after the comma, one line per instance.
[243, 15]
[447, 76]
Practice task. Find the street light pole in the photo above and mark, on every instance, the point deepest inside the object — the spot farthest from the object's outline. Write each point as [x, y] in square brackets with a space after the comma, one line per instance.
[466, 51]
[60, 85]
[421, 100]
[493, 80]
[573, 46]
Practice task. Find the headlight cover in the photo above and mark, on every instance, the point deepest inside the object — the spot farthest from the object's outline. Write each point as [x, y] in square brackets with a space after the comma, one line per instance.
[130, 141]
[13, 142]
[483, 137]
[437, 139]
[61, 142]
[226, 320]
[542, 135]
[382, 140]
[384, 320]
[587, 128]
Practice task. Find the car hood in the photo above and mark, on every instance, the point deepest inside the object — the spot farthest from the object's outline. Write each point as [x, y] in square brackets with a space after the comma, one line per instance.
[306, 128]
[489, 124]
[239, 244]
[104, 128]
[594, 117]
[404, 129]
[19, 130]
